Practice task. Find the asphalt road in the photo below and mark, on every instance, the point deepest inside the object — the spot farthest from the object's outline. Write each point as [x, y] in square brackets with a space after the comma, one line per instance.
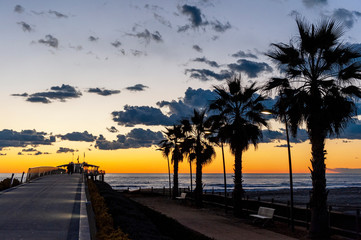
[47, 208]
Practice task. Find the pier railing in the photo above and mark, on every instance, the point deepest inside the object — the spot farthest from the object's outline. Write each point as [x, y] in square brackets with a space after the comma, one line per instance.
[36, 172]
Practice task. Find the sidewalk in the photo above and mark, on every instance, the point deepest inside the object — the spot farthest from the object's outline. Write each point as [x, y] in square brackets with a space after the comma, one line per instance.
[208, 223]
[46, 208]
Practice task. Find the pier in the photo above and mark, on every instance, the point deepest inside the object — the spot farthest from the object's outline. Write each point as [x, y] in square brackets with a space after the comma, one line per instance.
[50, 207]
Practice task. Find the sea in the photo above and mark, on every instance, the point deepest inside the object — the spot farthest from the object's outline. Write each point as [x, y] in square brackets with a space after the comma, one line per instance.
[215, 181]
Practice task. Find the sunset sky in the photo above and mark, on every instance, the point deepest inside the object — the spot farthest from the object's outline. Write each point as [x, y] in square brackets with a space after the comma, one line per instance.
[102, 79]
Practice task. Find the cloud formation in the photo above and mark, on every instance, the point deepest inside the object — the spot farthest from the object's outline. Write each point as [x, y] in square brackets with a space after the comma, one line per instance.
[314, 3]
[206, 74]
[79, 136]
[50, 41]
[250, 68]
[197, 48]
[19, 9]
[65, 150]
[133, 115]
[136, 138]
[206, 61]
[176, 110]
[103, 92]
[11, 138]
[93, 39]
[26, 27]
[194, 14]
[137, 88]
[61, 93]
[113, 129]
[147, 36]
[220, 27]
[116, 44]
[242, 54]
[346, 16]
[57, 14]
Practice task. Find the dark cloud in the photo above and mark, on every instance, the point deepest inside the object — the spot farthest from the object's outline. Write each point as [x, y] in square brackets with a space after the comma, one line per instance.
[79, 136]
[242, 54]
[116, 44]
[3, 154]
[294, 14]
[29, 150]
[220, 27]
[93, 39]
[25, 26]
[11, 138]
[177, 109]
[20, 95]
[40, 153]
[19, 9]
[136, 138]
[36, 99]
[112, 129]
[50, 41]
[162, 20]
[283, 146]
[57, 14]
[65, 150]
[272, 136]
[197, 48]
[194, 14]
[206, 61]
[61, 93]
[137, 88]
[20, 153]
[103, 92]
[352, 131]
[314, 3]
[133, 115]
[206, 74]
[346, 16]
[137, 53]
[345, 170]
[250, 68]
[148, 36]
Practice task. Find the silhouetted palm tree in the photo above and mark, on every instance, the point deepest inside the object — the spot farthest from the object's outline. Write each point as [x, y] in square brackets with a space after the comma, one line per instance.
[165, 147]
[241, 107]
[198, 147]
[320, 69]
[173, 141]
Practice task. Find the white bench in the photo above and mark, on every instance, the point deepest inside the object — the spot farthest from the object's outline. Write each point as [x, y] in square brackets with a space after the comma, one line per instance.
[264, 214]
[182, 196]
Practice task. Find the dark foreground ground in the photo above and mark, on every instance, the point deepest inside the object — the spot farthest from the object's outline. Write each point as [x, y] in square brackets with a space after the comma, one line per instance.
[140, 222]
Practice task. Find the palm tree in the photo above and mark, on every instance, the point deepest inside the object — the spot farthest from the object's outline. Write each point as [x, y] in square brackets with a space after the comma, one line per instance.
[241, 107]
[217, 136]
[165, 147]
[198, 147]
[174, 138]
[320, 69]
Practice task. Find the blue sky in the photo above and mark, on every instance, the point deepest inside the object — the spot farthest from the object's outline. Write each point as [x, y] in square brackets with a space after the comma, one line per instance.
[108, 67]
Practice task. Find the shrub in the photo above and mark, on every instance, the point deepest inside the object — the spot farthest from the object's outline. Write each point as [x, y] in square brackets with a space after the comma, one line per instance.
[104, 221]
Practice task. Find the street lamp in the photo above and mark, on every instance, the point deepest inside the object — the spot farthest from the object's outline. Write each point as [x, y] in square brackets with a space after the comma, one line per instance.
[269, 112]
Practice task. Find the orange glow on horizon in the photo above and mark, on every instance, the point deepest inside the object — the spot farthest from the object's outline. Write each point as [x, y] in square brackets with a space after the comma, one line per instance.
[265, 159]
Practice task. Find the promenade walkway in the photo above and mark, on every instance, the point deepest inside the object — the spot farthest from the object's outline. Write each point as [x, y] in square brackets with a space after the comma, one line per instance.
[208, 223]
[46, 208]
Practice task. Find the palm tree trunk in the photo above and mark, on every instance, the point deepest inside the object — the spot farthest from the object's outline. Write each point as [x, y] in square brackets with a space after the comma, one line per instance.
[319, 228]
[170, 192]
[190, 172]
[199, 188]
[224, 178]
[175, 179]
[238, 188]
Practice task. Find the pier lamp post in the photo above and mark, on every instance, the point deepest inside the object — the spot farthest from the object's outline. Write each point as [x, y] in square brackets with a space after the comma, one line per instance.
[269, 112]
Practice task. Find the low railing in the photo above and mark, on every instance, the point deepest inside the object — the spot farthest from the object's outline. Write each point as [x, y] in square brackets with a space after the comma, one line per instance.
[348, 225]
[36, 172]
